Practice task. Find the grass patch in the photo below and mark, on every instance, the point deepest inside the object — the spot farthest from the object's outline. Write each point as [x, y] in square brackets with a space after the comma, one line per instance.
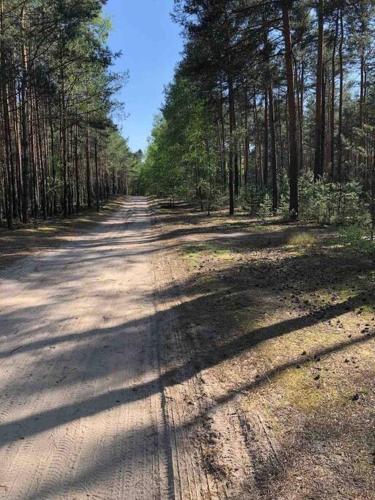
[302, 240]
[297, 387]
[195, 253]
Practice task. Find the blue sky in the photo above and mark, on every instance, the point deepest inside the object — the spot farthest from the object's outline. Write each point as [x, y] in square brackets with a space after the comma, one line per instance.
[150, 43]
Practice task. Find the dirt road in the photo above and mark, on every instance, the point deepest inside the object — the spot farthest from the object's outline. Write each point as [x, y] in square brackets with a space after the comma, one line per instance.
[81, 410]
[190, 358]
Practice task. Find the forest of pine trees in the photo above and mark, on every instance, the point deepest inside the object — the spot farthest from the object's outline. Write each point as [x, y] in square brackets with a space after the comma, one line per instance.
[59, 149]
[272, 108]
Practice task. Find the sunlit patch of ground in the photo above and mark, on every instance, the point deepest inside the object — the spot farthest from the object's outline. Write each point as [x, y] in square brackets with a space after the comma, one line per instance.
[25, 240]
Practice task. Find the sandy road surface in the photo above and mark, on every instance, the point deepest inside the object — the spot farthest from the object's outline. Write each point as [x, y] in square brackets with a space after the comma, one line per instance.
[81, 411]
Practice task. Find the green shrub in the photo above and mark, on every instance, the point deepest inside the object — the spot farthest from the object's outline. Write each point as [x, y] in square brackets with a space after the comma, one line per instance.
[356, 237]
[256, 200]
[265, 207]
[283, 208]
[327, 202]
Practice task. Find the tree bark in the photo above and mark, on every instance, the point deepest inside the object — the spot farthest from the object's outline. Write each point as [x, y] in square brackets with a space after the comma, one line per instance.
[266, 141]
[24, 129]
[333, 97]
[273, 149]
[319, 118]
[88, 169]
[341, 98]
[231, 146]
[292, 116]
[97, 187]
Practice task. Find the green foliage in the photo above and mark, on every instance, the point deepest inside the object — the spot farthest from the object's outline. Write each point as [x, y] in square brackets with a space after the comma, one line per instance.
[180, 161]
[256, 200]
[123, 165]
[328, 202]
[356, 237]
[159, 173]
[283, 208]
[265, 207]
[55, 54]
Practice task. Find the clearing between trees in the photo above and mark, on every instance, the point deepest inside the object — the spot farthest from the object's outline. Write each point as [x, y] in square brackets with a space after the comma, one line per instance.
[155, 352]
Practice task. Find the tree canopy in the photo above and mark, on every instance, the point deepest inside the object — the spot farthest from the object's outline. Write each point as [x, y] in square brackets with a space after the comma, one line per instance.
[59, 148]
[272, 103]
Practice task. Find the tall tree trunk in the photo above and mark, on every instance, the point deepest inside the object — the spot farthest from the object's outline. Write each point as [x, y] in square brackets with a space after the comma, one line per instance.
[40, 157]
[97, 187]
[88, 170]
[237, 177]
[323, 125]
[273, 149]
[246, 144]
[301, 117]
[266, 142]
[361, 89]
[76, 166]
[63, 142]
[222, 129]
[333, 97]
[341, 98]
[319, 118]
[292, 115]
[24, 127]
[7, 138]
[231, 146]
[258, 144]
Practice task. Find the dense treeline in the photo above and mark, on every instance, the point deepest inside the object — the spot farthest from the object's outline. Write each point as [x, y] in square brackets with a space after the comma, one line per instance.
[272, 104]
[59, 150]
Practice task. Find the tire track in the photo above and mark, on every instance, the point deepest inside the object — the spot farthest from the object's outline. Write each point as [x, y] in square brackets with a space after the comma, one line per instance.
[87, 333]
